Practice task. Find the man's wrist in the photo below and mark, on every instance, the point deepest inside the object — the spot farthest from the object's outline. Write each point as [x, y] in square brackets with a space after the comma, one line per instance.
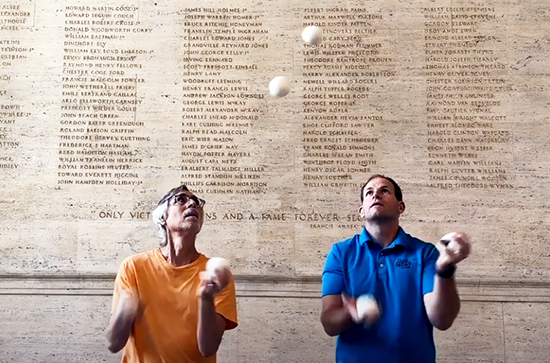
[447, 272]
[208, 298]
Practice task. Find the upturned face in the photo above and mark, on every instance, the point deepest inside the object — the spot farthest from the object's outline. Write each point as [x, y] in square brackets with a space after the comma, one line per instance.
[380, 202]
[185, 213]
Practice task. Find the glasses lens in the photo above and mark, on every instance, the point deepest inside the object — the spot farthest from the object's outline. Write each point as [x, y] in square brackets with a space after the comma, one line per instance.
[181, 198]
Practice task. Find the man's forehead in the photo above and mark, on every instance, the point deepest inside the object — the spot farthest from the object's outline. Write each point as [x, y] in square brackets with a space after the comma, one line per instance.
[378, 182]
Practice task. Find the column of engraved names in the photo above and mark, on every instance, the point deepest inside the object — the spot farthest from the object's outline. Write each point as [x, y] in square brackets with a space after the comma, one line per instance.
[99, 131]
[219, 109]
[14, 17]
[14, 53]
[469, 142]
[339, 74]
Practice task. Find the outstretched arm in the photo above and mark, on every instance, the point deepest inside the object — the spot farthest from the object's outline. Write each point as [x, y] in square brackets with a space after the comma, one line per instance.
[122, 320]
[125, 307]
[211, 327]
[443, 303]
[217, 310]
[335, 315]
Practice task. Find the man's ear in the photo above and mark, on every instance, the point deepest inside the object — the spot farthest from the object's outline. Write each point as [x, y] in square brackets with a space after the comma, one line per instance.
[401, 207]
[361, 212]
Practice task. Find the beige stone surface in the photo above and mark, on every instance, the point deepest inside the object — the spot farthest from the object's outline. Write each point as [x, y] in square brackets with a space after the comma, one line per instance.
[526, 328]
[477, 336]
[445, 96]
[278, 323]
[99, 119]
[42, 328]
[286, 330]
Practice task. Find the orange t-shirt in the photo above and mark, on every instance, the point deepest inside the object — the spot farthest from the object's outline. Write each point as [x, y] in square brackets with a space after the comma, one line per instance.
[166, 332]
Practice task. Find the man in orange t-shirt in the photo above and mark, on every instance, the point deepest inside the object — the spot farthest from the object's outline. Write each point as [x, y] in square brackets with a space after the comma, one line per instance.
[166, 309]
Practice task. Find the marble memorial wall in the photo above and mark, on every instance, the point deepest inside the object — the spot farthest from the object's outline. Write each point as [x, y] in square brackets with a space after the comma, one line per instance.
[106, 105]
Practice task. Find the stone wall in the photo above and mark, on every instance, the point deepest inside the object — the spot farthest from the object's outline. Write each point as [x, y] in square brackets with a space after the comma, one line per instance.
[105, 106]
[62, 319]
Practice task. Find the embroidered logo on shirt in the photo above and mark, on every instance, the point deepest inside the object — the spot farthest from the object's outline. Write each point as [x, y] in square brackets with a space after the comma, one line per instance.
[402, 263]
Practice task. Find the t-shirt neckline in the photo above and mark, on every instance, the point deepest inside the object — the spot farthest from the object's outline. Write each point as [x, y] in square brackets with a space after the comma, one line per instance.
[165, 263]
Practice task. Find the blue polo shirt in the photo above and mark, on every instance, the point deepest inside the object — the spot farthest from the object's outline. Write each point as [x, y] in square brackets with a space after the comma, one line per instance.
[398, 276]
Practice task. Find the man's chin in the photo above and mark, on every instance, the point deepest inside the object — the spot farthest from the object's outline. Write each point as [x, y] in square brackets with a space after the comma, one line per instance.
[192, 226]
[379, 218]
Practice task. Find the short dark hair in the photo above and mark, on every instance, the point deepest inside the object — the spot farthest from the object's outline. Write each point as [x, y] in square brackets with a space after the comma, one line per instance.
[173, 192]
[398, 192]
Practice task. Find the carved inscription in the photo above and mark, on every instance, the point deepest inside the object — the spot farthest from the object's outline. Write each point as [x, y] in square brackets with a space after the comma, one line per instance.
[448, 97]
[14, 54]
[339, 75]
[469, 139]
[99, 129]
[13, 17]
[219, 108]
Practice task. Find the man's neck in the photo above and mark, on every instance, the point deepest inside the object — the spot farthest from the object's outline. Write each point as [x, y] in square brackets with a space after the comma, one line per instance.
[180, 250]
[383, 233]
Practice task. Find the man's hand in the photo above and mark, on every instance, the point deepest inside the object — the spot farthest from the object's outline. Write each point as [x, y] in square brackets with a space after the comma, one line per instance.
[350, 304]
[453, 248]
[443, 303]
[213, 283]
[211, 324]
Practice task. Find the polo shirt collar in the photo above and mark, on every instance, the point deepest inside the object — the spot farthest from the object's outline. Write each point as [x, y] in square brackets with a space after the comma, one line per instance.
[402, 239]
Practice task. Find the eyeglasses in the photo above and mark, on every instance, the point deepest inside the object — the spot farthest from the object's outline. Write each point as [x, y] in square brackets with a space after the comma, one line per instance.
[184, 198]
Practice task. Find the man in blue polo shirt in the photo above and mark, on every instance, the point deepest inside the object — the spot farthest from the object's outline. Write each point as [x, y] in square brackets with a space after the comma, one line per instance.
[411, 280]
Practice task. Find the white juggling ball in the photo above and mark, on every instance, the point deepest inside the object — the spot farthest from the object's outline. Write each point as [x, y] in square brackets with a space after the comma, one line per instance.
[367, 307]
[312, 34]
[279, 86]
[449, 240]
[453, 246]
[216, 264]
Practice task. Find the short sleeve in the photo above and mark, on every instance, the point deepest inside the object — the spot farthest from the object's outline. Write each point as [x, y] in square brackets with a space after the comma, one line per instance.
[125, 281]
[333, 277]
[226, 305]
[428, 269]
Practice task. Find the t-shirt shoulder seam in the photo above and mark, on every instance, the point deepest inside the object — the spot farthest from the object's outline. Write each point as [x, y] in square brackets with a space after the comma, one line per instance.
[144, 255]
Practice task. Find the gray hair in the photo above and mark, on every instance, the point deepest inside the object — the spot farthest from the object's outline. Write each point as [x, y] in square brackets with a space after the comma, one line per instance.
[159, 217]
[160, 214]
